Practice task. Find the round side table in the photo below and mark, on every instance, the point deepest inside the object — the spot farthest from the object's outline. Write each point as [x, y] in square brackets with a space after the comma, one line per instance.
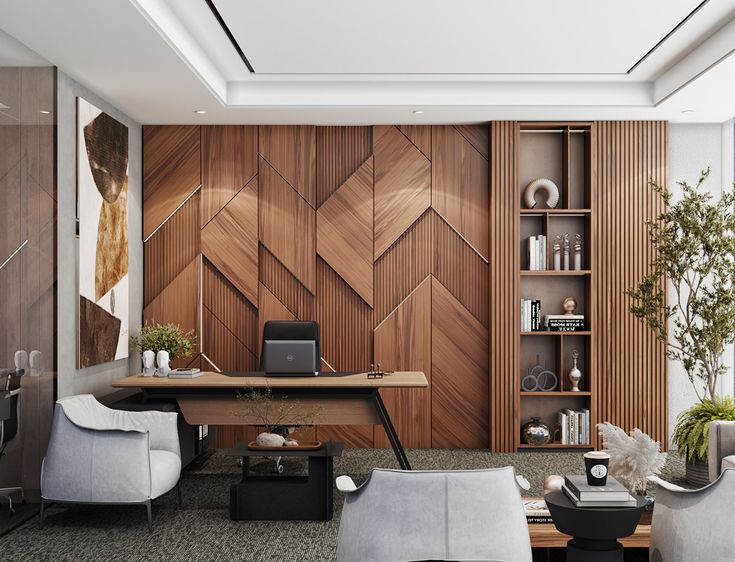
[595, 530]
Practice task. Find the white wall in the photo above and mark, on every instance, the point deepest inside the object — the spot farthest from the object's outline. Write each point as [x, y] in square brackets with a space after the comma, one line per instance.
[693, 147]
[97, 379]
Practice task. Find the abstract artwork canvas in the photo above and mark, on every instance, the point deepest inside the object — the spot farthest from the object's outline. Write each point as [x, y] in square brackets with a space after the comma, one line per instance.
[102, 213]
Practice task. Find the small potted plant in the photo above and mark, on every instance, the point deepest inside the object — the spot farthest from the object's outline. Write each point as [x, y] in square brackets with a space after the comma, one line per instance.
[694, 240]
[168, 338]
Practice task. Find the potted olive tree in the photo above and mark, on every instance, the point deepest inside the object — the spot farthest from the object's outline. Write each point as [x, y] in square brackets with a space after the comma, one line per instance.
[694, 240]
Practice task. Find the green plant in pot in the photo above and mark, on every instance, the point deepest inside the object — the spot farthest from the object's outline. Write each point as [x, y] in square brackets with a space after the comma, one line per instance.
[694, 239]
[163, 337]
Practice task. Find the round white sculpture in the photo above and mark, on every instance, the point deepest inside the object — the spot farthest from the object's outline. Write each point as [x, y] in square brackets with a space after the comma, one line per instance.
[270, 440]
[162, 360]
[553, 483]
[545, 185]
[34, 360]
[149, 367]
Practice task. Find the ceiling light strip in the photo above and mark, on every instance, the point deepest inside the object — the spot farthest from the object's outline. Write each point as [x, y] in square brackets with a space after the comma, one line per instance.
[172, 213]
[13, 254]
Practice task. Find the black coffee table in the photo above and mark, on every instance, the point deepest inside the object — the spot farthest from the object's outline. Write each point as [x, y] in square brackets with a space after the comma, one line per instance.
[595, 530]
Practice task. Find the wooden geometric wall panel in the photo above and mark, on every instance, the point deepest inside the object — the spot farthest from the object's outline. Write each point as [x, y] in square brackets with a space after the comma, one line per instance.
[403, 342]
[503, 313]
[229, 161]
[171, 171]
[345, 321]
[344, 231]
[420, 136]
[223, 300]
[459, 384]
[460, 186]
[270, 308]
[287, 225]
[222, 347]
[632, 363]
[402, 186]
[286, 288]
[230, 240]
[178, 303]
[478, 136]
[291, 151]
[171, 249]
[460, 269]
[339, 153]
[403, 267]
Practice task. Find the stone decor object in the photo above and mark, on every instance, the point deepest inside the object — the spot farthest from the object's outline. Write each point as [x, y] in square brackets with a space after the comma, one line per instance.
[544, 185]
[35, 362]
[266, 439]
[291, 443]
[148, 363]
[553, 483]
[162, 360]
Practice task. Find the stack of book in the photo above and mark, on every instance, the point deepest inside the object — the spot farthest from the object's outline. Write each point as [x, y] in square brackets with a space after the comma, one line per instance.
[581, 494]
[574, 426]
[530, 315]
[185, 373]
[537, 253]
[564, 322]
[536, 511]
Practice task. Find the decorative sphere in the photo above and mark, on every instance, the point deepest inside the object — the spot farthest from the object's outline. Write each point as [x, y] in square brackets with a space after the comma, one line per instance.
[535, 432]
[553, 483]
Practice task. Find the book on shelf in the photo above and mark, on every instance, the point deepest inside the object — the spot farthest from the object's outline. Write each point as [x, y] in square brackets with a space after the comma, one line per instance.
[536, 511]
[537, 253]
[612, 491]
[564, 322]
[574, 426]
[530, 315]
[630, 502]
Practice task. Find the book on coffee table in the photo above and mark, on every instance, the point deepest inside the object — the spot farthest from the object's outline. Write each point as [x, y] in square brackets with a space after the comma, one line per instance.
[612, 491]
[629, 502]
[183, 373]
[536, 511]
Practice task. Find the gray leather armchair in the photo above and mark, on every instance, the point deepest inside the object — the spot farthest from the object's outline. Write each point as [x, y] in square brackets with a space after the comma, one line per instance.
[693, 524]
[433, 515]
[721, 452]
[100, 455]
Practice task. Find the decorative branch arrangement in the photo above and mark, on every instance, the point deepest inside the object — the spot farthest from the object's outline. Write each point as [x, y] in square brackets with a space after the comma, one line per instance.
[275, 412]
[695, 250]
[634, 457]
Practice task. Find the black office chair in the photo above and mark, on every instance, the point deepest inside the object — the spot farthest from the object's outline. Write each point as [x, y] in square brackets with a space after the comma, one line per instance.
[10, 423]
[291, 330]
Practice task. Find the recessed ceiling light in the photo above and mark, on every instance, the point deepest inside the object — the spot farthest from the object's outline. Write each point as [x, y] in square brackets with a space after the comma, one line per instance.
[418, 111]
[45, 111]
[200, 111]
[687, 111]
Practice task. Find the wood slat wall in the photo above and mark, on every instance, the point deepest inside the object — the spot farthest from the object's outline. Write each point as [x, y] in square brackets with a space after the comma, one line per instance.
[504, 295]
[632, 363]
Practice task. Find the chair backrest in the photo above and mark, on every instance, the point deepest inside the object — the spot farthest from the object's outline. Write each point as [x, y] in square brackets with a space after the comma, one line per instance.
[291, 330]
[435, 515]
[10, 405]
[694, 524]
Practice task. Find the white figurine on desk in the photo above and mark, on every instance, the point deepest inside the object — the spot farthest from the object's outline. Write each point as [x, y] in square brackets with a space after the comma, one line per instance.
[162, 360]
[34, 361]
[148, 363]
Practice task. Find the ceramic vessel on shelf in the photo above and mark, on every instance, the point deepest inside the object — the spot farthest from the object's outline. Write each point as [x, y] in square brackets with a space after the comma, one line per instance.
[535, 432]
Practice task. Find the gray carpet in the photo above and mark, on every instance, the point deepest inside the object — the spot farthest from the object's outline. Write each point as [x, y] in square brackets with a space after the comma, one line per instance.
[201, 530]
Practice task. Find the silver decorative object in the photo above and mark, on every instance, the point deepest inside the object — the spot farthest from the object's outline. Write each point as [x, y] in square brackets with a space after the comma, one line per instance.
[577, 252]
[575, 375]
[557, 253]
[535, 432]
[565, 250]
[539, 378]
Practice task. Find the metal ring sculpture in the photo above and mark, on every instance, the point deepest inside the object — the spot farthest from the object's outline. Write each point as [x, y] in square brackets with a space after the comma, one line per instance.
[539, 379]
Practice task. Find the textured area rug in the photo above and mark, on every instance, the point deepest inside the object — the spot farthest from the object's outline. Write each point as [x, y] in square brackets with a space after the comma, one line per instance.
[201, 530]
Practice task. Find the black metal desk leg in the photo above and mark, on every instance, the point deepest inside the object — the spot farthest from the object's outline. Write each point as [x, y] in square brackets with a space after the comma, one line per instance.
[395, 442]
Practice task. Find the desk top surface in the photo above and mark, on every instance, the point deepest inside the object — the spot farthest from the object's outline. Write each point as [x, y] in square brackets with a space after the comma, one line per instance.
[397, 379]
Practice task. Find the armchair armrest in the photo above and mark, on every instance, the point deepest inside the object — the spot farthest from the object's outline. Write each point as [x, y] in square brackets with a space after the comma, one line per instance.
[721, 444]
[345, 484]
[161, 425]
[666, 485]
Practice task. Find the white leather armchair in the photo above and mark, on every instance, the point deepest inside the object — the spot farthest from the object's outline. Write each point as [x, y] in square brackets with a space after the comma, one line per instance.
[100, 455]
[693, 524]
[433, 515]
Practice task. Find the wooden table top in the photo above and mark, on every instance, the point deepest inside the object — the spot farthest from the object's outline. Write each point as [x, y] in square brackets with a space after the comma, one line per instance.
[397, 379]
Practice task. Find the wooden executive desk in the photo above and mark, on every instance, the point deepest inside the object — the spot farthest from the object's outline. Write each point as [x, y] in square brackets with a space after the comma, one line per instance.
[343, 399]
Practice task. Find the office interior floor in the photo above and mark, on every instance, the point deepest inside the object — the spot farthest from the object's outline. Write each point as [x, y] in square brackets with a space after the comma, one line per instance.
[200, 529]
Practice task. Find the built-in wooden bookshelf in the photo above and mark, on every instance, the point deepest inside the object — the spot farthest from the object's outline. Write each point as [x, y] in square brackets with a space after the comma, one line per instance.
[560, 152]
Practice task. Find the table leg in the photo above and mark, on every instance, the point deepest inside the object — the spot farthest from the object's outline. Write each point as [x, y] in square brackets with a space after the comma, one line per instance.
[390, 431]
[586, 550]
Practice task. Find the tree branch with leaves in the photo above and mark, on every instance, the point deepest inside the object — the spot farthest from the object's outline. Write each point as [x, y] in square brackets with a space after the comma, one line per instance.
[694, 239]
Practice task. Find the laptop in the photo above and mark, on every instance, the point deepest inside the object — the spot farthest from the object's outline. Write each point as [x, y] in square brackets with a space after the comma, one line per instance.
[290, 358]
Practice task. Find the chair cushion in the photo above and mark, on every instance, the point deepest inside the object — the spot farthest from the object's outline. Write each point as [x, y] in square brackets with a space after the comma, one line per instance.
[165, 472]
[728, 462]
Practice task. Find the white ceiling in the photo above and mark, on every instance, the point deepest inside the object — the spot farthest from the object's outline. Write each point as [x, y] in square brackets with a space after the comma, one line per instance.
[337, 62]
